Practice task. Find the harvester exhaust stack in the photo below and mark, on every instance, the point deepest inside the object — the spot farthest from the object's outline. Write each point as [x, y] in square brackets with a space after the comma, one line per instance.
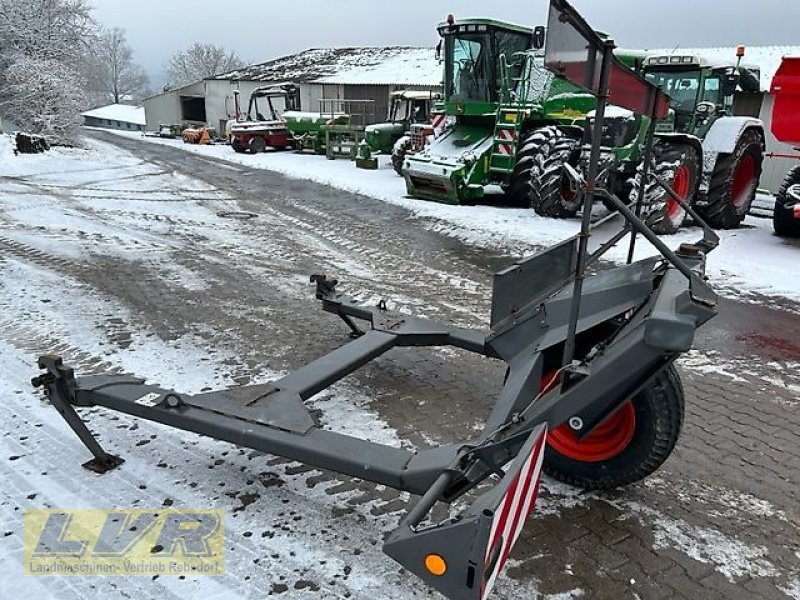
[623, 327]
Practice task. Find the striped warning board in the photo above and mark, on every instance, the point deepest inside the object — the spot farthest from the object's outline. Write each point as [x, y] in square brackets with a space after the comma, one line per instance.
[506, 135]
[438, 123]
[514, 508]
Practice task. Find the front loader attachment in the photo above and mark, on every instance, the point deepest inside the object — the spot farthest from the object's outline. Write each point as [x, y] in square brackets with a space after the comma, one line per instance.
[578, 347]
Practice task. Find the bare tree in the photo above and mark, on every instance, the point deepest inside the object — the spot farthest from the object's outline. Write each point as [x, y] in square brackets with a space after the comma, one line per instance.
[44, 96]
[199, 62]
[119, 79]
[45, 46]
[60, 30]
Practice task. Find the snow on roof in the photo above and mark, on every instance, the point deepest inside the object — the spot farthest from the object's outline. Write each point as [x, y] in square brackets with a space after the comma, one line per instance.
[767, 58]
[118, 112]
[388, 65]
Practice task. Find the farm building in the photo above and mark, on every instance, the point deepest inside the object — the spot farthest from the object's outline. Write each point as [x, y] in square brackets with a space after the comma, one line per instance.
[116, 116]
[332, 73]
[767, 59]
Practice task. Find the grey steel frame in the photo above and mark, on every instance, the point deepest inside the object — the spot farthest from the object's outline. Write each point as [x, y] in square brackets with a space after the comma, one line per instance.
[636, 318]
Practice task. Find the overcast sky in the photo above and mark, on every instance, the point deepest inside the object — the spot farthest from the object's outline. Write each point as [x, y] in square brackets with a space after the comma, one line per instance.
[259, 30]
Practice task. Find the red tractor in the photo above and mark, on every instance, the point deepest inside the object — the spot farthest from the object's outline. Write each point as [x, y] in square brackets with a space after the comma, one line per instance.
[786, 128]
[255, 132]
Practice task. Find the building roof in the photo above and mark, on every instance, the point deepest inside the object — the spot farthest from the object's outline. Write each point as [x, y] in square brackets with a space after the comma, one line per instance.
[390, 65]
[118, 112]
[766, 58]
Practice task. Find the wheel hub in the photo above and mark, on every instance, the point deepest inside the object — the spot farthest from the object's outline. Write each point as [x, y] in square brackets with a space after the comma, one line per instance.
[604, 442]
[680, 185]
[743, 181]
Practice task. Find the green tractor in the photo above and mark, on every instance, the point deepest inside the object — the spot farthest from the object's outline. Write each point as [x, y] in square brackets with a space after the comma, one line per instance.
[501, 100]
[711, 158]
[406, 109]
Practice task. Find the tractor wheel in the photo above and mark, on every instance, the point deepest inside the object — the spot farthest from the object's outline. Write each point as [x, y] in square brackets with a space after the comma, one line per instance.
[733, 183]
[628, 445]
[522, 188]
[680, 166]
[237, 146]
[257, 145]
[551, 195]
[399, 153]
[783, 220]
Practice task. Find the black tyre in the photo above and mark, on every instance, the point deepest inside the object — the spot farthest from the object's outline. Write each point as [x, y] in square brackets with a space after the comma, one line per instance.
[555, 197]
[783, 220]
[237, 146]
[733, 183]
[628, 446]
[679, 165]
[522, 189]
[399, 153]
[257, 145]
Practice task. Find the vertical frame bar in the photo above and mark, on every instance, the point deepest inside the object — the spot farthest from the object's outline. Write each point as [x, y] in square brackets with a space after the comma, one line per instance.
[648, 153]
[588, 201]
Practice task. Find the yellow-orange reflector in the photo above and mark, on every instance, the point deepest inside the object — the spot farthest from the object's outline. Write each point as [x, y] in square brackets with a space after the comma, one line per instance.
[435, 564]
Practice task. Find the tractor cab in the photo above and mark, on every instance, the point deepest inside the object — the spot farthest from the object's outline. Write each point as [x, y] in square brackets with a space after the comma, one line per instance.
[411, 106]
[699, 91]
[262, 107]
[473, 49]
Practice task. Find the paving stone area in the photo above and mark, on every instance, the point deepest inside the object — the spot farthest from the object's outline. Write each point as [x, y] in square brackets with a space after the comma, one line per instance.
[721, 519]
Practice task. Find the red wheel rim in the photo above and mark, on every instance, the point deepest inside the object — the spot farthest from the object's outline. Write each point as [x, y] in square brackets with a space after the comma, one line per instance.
[743, 180]
[605, 441]
[567, 193]
[680, 185]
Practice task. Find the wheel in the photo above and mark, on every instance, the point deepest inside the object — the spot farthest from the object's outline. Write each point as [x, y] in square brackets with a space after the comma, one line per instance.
[783, 219]
[237, 145]
[257, 145]
[628, 445]
[680, 166]
[522, 188]
[538, 180]
[399, 153]
[733, 183]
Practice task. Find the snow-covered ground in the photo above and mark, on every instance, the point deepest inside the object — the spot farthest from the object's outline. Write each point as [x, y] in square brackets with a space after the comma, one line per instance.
[282, 524]
[749, 260]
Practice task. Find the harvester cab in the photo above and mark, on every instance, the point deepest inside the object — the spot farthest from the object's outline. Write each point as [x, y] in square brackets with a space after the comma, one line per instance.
[712, 157]
[262, 126]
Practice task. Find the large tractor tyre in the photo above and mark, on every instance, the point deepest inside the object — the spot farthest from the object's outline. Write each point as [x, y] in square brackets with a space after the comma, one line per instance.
[399, 153]
[534, 146]
[733, 183]
[257, 145]
[678, 165]
[237, 146]
[557, 199]
[783, 220]
[628, 445]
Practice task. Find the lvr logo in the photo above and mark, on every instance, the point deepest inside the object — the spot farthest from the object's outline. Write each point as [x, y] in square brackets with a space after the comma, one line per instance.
[111, 542]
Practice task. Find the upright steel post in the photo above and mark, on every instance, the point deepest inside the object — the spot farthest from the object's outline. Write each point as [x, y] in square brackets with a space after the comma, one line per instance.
[588, 201]
[648, 153]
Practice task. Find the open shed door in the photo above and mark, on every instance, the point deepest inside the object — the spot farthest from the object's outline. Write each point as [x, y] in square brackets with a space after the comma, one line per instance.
[786, 107]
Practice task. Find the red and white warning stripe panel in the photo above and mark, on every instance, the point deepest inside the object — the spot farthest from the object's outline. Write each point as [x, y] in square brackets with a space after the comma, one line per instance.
[514, 509]
[506, 135]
